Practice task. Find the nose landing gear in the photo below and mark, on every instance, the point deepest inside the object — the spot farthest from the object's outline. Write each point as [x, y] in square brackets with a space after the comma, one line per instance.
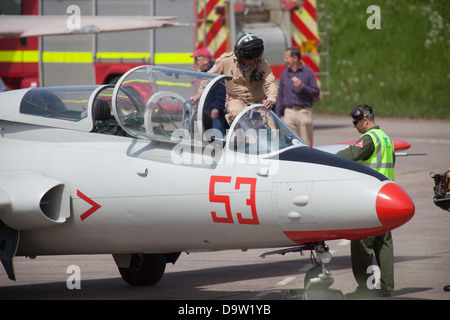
[318, 279]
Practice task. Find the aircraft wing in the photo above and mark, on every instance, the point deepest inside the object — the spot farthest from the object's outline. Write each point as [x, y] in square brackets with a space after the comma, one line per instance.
[398, 144]
[14, 26]
[334, 148]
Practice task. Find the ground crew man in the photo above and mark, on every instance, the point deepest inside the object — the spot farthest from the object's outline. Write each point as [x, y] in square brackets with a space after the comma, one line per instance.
[375, 150]
[298, 89]
[252, 79]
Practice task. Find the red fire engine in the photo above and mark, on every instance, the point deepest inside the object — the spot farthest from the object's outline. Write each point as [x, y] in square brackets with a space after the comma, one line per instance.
[103, 58]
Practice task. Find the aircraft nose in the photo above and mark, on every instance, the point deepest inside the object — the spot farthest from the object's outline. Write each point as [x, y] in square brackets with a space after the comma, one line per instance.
[394, 206]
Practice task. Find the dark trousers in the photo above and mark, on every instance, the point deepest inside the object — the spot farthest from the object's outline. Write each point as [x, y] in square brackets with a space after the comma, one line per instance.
[362, 252]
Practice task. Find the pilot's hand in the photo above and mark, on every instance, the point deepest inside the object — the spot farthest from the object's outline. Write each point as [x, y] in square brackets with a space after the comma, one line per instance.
[268, 104]
[195, 97]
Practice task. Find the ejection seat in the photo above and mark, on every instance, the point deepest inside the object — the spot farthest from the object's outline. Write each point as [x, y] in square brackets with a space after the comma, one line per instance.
[103, 121]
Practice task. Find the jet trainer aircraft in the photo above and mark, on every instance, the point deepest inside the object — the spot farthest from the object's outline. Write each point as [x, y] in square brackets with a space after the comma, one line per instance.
[137, 171]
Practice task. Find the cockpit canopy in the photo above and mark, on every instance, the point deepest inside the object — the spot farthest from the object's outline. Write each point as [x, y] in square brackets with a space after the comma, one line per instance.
[65, 103]
[259, 131]
[67, 107]
[156, 103]
[153, 103]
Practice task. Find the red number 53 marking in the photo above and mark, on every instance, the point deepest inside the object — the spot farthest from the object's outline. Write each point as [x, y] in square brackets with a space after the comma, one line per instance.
[251, 202]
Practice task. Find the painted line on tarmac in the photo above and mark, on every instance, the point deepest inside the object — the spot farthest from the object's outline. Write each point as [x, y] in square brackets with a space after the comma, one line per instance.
[285, 281]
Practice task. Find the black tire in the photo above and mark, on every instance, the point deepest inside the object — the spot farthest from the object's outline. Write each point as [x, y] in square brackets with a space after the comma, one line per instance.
[144, 270]
[311, 274]
[113, 79]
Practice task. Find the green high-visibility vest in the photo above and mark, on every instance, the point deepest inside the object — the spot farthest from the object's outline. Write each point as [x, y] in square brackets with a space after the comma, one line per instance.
[382, 159]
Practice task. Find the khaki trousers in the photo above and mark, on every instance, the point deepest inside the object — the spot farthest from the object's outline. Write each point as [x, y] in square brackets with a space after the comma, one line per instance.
[234, 107]
[300, 120]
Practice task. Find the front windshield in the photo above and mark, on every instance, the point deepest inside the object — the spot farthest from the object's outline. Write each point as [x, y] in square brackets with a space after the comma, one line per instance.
[154, 102]
[260, 131]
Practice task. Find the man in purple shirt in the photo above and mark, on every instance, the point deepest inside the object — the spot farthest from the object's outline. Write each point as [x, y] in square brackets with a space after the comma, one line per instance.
[298, 88]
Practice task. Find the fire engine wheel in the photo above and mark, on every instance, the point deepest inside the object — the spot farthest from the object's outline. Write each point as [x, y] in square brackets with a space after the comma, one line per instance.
[144, 269]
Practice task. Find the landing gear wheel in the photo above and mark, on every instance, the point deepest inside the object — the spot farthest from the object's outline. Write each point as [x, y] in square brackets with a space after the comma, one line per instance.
[318, 280]
[311, 274]
[144, 269]
[316, 290]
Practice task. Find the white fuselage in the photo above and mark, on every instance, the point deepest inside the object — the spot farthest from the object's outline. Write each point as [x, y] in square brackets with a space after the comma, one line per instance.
[148, 204]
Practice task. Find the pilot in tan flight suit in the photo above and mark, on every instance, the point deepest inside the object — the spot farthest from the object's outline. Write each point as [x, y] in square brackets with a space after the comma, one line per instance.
[252, 78]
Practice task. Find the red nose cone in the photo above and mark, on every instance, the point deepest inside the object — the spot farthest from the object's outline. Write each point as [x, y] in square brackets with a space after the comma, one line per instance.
[394, 206]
